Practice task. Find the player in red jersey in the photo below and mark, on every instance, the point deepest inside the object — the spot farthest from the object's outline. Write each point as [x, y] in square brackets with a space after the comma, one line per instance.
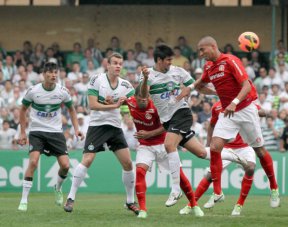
[237, 146]
[151, 135]
[239, 115]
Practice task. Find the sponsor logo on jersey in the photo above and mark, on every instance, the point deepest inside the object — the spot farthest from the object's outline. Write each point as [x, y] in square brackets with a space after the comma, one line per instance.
[167, 94]
[57, 97]
[217, 75]
[143, 123]
[46, 114]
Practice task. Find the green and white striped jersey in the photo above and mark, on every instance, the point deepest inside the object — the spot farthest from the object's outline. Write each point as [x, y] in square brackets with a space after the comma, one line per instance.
[100, 86]
[164, 87]
[45, 112]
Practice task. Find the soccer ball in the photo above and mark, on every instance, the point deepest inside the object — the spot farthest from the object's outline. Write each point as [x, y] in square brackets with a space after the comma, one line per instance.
[248, 41]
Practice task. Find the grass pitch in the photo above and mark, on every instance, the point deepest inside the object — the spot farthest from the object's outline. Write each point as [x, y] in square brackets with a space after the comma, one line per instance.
[108, 210]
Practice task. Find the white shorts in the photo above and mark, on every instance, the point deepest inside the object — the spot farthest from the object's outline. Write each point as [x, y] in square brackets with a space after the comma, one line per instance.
[246, 122]
[148, 154]
[246, 152]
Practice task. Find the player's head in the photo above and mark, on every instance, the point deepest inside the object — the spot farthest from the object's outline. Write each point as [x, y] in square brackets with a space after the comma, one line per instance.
[163, 55]
[208, 48]
[50, 72]
[141, 100]
[115, 63]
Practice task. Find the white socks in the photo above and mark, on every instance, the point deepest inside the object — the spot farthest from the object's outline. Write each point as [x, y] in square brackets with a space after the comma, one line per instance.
[78, 177]
[129, 182]
[27, 185]
[174, 165]
[59, 182]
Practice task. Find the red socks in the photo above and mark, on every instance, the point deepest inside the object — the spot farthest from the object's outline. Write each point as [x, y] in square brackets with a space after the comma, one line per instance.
[187, 189]
[140, 187]
[216, 170]
[202, 188]
[267, 164]
[245, 188]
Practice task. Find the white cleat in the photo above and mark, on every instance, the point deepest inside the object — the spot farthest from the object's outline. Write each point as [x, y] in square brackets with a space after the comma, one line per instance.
[214, 199]
[238, 158]
[186, 210]
[274, 198]
[173, 198]
[237, 210]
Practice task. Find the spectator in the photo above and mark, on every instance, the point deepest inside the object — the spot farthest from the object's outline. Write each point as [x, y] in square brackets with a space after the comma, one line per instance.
[206, 113]
[38, 57]
[130, 64]
[75, 75]
[149, 61]
[58, 54]
[75, 56]
[248, 68]
[32, 77]
[284, 138]
[95, 52]
[178, 58]
[88, 57]
[115, 45]
[7, 94]
[8, 68]
[82, 90]
[18, 58]
[186, 50]
[260, 80]
[16, 118]
[6, 135]
[139, 53]
[270, 135]
[103, 67]
[27, 50]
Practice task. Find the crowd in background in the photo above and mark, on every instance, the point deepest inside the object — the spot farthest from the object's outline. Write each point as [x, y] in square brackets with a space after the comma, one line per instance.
[22, 68]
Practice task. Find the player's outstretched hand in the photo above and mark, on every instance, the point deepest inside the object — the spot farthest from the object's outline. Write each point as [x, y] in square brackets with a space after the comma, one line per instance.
[145, 72]
[185, 92]
[80, 135]
[22, 140]
[229, 111]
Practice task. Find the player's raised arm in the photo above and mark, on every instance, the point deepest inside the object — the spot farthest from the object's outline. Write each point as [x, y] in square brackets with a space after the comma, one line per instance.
[144, 84]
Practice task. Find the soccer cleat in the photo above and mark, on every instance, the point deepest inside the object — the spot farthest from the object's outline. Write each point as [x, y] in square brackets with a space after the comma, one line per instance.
[186, 210]
[214, 199]
[274, 198]
[142, 214]
[22, 207]
[173, 198]
[68, 207]
[238, 158]
[133, 207]
[237, 210]
[197, 211]
[58, 196]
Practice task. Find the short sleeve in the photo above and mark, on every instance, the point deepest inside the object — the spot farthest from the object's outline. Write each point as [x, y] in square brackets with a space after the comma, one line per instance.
[187, 78]
[28, 97]
[67, 97]
[238, 70]
[93, 87]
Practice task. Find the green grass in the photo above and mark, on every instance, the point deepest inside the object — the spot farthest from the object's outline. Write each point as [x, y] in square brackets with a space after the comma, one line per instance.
[107, 210]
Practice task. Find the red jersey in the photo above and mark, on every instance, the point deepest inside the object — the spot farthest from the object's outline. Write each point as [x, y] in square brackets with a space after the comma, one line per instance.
[227, 75]
[146, 119]
[238, 142]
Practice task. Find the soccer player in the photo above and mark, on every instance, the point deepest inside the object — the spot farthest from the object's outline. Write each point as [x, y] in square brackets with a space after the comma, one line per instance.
[106, 93]
[46, 135]
[239, 115]
[163, 83]
[151, 135]
[237, 146]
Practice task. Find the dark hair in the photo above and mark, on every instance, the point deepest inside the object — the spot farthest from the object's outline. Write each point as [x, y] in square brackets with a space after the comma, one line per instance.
[162, 51]
[50, 66]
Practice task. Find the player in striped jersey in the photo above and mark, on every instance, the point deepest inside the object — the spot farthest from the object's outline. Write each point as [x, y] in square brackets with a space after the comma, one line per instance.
[46, 133]
[106, 93]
